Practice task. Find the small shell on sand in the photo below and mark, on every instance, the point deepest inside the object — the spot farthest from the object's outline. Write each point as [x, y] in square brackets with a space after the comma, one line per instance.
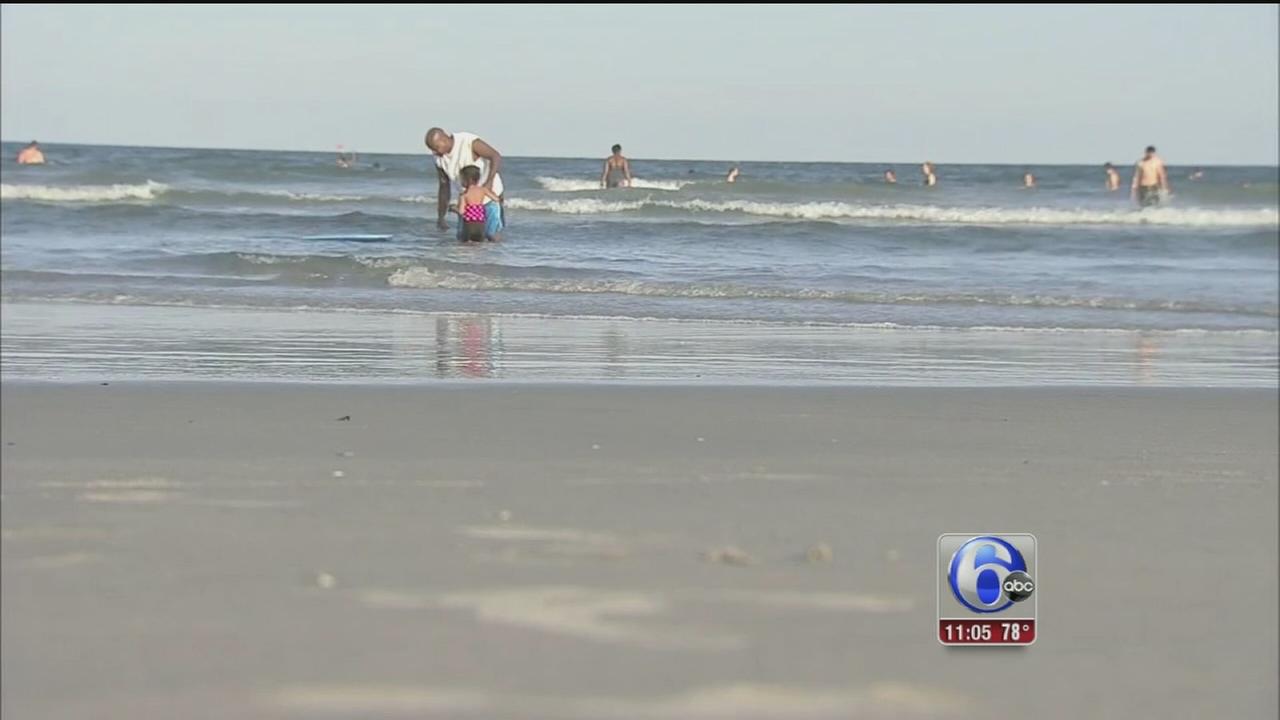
[326, 581]
[819, 553]
[346, 453]
[339, 474]
[504, 516]
[729, 555]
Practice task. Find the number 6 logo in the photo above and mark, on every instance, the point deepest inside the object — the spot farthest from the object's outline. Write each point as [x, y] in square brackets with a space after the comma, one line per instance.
[977, 572]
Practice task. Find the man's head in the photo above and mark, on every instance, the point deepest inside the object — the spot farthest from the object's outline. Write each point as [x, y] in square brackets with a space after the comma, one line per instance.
[1107, 166]
[33, 144]
[1151, 150]
[438, 141]
[616, 149]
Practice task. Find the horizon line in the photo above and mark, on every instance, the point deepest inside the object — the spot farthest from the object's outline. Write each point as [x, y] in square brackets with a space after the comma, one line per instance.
[662, 159]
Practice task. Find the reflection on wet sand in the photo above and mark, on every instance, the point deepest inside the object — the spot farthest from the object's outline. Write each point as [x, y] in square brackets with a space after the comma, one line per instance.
[269, 345]
[615, 346]
[467, 346]
[1147, 352]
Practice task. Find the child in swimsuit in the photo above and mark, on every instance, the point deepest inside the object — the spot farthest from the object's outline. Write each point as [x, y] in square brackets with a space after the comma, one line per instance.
[478, 207]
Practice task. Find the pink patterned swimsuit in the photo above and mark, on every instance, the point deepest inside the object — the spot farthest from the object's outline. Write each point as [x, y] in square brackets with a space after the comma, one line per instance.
[473, 213]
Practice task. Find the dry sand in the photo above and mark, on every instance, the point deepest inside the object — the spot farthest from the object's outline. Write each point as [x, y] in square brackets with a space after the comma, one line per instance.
[237, 551]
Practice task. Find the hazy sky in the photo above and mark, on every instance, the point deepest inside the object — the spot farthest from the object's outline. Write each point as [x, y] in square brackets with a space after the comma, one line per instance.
[843, 83]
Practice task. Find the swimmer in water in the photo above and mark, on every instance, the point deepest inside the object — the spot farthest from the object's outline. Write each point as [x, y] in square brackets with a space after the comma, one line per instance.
[617, 170]
[1150, 179]
[1113, 177]
[31, 154]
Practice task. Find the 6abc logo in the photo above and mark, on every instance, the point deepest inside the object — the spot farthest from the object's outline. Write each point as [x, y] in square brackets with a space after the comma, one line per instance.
[987, 581]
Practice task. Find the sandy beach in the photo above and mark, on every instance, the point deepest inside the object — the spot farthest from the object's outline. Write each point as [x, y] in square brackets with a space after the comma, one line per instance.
[223, 550]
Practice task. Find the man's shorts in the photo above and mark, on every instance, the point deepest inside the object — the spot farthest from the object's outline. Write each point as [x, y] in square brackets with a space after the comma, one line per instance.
[1149, 195]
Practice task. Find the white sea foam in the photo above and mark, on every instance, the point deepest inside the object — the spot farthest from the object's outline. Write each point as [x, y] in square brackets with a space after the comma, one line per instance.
[931, 214]
[83, 193]
[555, 184]
[424, 277]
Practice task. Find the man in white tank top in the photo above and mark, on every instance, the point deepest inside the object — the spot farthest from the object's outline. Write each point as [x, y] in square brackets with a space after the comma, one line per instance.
[456, 151]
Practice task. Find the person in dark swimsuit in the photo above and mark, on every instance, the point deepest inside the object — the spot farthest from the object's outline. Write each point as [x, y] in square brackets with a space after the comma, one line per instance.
[1150, 179]
[617, 171]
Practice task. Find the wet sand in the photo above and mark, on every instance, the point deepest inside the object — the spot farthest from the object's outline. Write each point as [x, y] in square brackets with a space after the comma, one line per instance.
[81, 342]
[576, 551]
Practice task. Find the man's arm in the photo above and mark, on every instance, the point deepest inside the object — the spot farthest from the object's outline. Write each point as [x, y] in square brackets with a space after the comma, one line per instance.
[442, 199]
[483, 149]
[604, 174]
[626, 170]
[1133, 186]
[1164, 178]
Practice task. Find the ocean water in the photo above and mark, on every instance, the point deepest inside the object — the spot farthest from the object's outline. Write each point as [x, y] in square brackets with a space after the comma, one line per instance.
[820, 245]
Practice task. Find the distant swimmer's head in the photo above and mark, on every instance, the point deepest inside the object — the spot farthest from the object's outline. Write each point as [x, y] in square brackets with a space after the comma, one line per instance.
[469, 175]
[1151, 150]
[1107, 166]
[617, 149]
[438, 141]
[33, 144]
